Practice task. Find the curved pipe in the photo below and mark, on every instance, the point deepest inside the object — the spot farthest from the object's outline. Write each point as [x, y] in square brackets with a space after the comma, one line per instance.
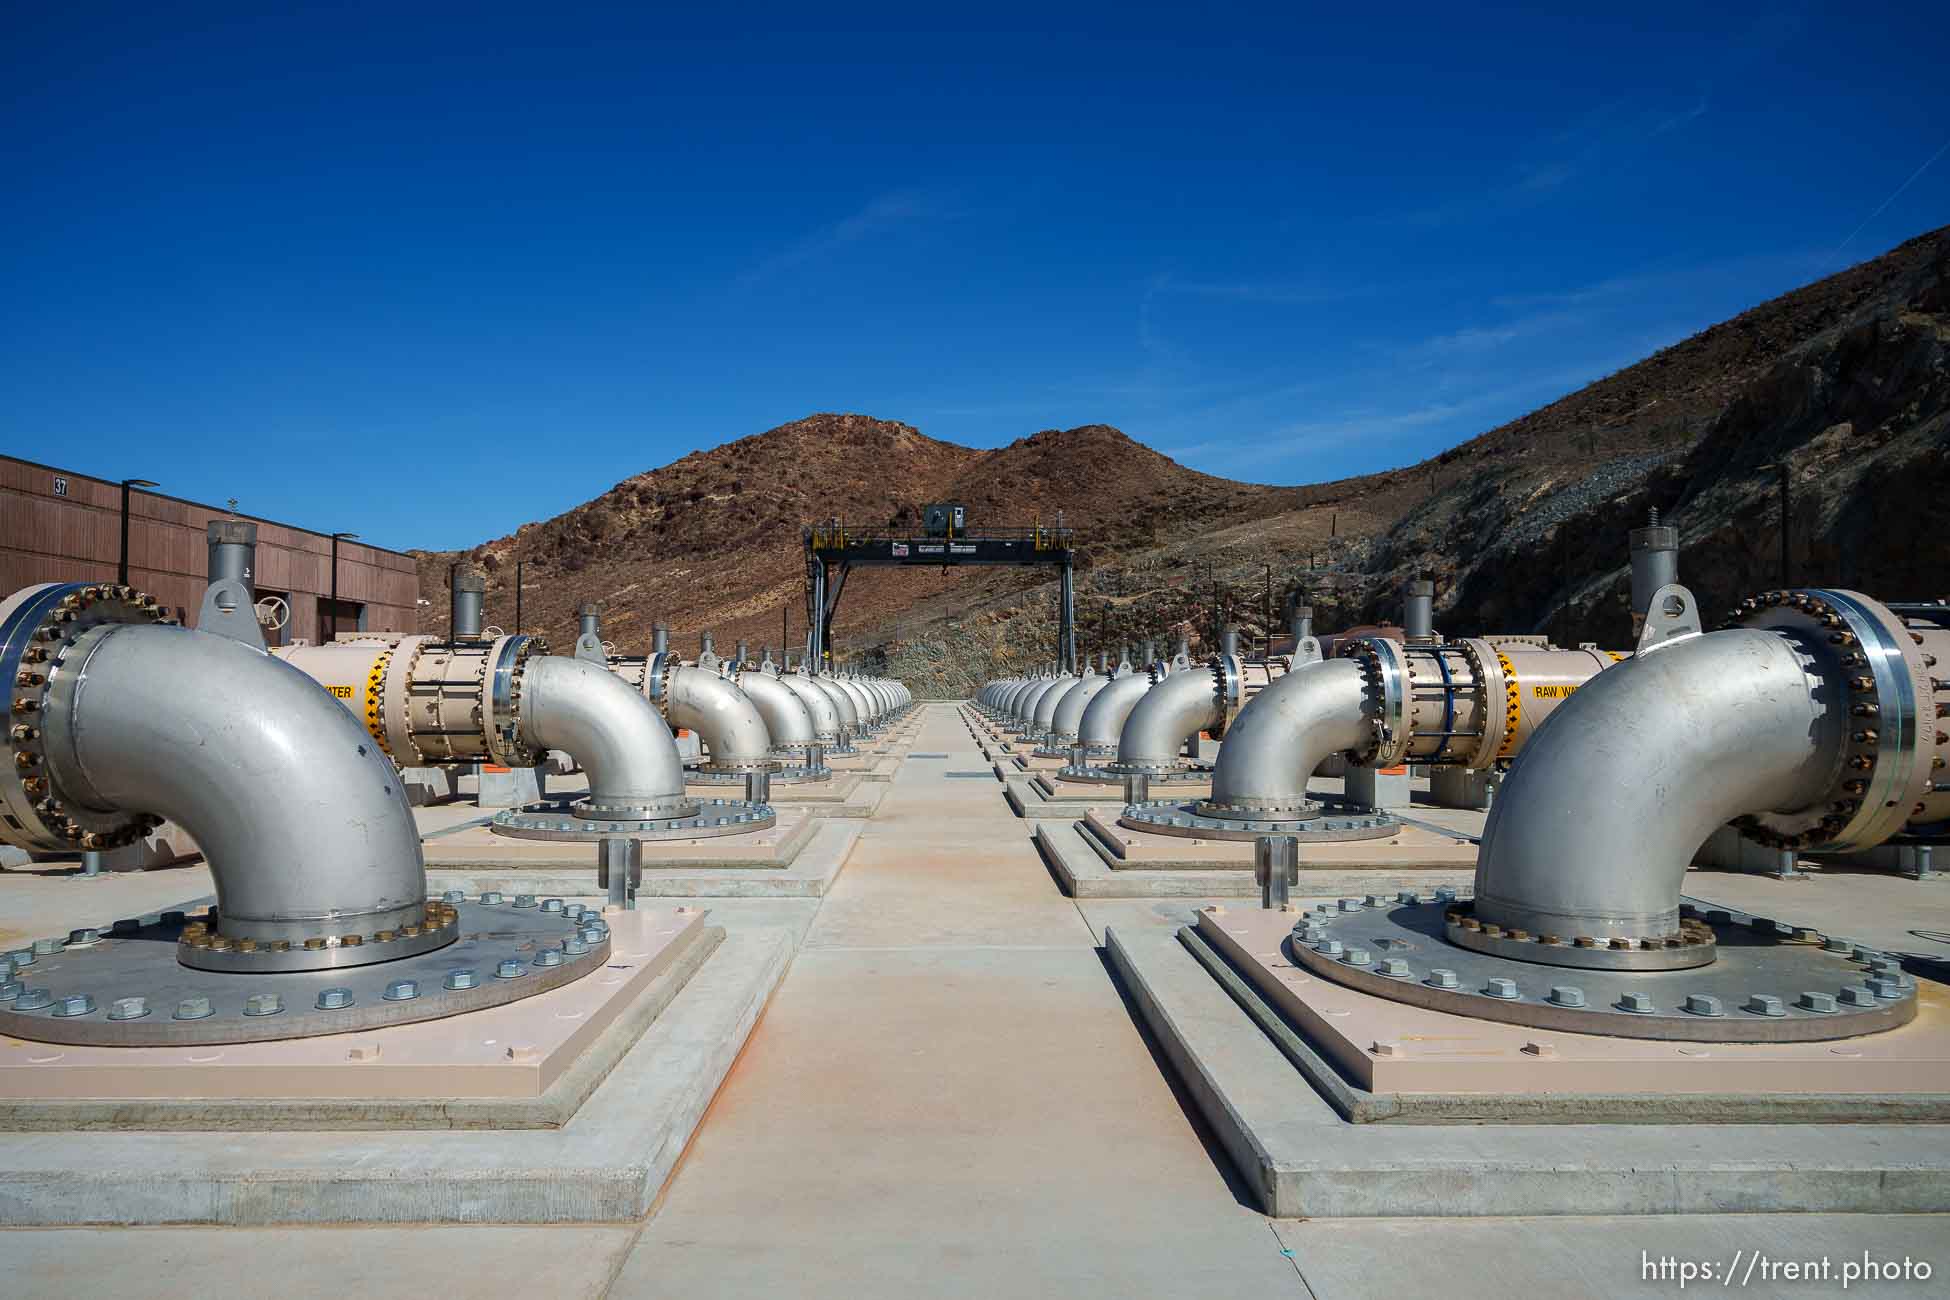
[1604, 808]
[1178, 708]
[1046, 707]
[1068, 717]
[849, 715]
[1103, 718]
[862, 706]
[720, 713]
[1025, 711]
[786, 717]
[1285, 731]
[825, 714]
[610, 730]
[301, 817]
[876, 702]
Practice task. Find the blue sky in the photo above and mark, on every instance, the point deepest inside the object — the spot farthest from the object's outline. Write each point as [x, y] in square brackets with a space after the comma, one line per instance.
[427, 272]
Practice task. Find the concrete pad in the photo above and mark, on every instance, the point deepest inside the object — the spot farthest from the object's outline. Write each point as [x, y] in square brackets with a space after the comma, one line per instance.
[1301, 1159]
[1442, 1067]
[848, 794]
[1027, 800]
[1411, 848]
[1084, 868]
[38, 902]
[807, 873]
[562, 1263]
[1879, 908]
[916, 889]
[876, 1141]
[1493, 1259]
[606, 1164]
[478, 848]
[528, 1064]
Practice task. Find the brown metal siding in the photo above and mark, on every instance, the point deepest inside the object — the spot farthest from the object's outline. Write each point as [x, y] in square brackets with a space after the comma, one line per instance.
[77, 538]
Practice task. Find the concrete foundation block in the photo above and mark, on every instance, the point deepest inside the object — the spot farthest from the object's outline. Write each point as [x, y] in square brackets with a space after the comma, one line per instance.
[1458, 787]
[512, 787]
[1378, 788]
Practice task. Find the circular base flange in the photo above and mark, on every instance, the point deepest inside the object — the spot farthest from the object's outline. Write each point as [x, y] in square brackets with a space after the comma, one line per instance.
[604, 813]
[790, 774]
[128, 989]
[1170, 817]
[199, 946]
[1096, 774]
[1694, 945]
[1764, 988]
[714, 817]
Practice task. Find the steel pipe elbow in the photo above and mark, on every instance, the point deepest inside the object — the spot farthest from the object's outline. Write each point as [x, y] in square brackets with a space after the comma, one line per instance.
[1606, 805]
[299, 814]
[1284, 732]
[1176, 709]
[722, 715]
[825, 714]
[1102, 723]
[786, 716]
[611, 731]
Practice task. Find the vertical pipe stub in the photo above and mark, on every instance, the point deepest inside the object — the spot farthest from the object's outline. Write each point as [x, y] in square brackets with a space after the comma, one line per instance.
[1655, 564]
[1229, 642]
[1276, 864]
[660, 639]
[466, 601]
[233, 552]
[1300, 622]
[589, 620]
[1418, 611]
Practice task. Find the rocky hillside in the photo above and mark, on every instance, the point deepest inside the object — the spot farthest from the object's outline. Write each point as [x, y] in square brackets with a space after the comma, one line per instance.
[1843, 381]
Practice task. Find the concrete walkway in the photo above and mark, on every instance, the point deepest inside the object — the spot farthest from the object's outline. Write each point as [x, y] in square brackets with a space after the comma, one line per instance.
[949, 1097]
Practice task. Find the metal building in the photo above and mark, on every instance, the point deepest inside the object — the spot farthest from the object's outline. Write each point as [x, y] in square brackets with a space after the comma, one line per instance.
[60, 526]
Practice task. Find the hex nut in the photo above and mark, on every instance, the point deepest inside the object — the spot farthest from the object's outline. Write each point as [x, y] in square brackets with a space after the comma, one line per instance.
[1856, 995]
[460, 978]
[548, 957]
[573, 946]
[1350, 904]
[454, 896]
[1639, 1004]
[402, 991]
[75, 1004]
[1702, 1004]
[1567, 995]
[509, 968]
[33, 1000]
[1820, 1003]
[194, 1008]
[552, 905]
[48, 947]
[1442, 979]
[263, 1004]
[1505, 989]
[335, 999]
[128, 1008]
[1764, 1004]
[492, 898]
[1395, 968]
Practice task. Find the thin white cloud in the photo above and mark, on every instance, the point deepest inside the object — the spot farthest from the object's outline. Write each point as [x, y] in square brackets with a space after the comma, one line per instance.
[882, 215]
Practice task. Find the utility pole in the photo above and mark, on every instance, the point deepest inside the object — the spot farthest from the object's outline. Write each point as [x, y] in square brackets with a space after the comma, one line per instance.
[122, 569]
[335, 584]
